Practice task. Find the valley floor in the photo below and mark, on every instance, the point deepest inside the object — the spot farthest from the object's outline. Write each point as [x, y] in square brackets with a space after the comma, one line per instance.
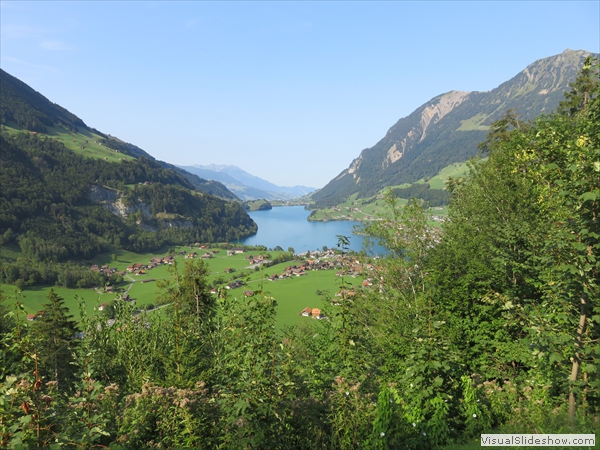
[293, 294]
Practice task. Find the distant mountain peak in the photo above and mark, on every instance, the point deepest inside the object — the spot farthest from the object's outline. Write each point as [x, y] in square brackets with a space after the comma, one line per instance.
[215, 167]
[246, 185]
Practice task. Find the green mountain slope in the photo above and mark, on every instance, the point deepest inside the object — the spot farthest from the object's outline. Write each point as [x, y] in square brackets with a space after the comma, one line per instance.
[23, 108]
[448, 128]
[59, 204]
[31, 110]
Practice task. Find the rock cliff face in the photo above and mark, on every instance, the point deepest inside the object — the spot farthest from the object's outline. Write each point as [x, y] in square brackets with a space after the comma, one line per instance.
[431, 114]
[448, 128]
[118, 207]
[114, 202]
[99, 194]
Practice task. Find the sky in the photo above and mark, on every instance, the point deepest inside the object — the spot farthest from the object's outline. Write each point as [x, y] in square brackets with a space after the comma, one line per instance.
[288, 91]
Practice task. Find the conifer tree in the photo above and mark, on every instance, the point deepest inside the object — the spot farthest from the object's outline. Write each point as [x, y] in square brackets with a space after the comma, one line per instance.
[583, 89]
[55, 336]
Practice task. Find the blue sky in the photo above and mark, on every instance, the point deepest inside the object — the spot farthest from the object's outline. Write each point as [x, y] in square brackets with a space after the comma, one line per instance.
[288, 91]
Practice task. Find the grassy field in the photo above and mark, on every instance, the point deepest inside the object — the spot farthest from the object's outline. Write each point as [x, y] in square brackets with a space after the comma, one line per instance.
[84, 142]
[292, 294]
[33, 297]
[295, 294]
[439, 181]
[354, 208]
[361, 209]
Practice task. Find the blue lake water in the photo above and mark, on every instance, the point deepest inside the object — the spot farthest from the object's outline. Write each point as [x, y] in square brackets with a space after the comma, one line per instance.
[286, 226]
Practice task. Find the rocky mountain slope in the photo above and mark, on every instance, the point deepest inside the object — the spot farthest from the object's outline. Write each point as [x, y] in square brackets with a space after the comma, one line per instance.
[448, 128]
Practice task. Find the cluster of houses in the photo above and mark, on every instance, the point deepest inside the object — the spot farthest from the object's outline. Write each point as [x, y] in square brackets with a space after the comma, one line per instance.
[315, 313]
[300, 270]
[105, 270]
[124, 297]
[353, 269]
[235, 284]
[206, 255]
[253, 260]
[140, 268]
[136, 269]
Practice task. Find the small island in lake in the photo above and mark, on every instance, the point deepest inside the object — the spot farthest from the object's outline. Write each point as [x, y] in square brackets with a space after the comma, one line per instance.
[257, 205]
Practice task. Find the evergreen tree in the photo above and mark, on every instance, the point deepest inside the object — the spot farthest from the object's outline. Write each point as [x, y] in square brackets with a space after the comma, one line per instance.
[55, 336]
[583, 89]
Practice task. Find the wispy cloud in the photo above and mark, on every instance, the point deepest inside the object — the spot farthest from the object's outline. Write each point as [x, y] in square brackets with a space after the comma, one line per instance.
[55, 45]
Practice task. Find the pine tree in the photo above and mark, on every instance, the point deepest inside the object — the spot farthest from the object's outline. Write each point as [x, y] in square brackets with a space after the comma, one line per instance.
[55, 335]
[582, 89]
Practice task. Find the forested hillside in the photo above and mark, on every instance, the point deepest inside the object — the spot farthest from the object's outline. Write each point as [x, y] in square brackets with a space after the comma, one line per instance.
[70, 192]
[31, 110]
[46, 207]
[491, 325]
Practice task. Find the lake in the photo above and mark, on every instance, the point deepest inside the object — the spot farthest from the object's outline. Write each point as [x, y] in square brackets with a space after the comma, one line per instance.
[286, 226]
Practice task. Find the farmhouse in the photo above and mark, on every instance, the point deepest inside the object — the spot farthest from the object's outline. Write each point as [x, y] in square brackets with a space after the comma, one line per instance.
[235, 284]
[316, 313]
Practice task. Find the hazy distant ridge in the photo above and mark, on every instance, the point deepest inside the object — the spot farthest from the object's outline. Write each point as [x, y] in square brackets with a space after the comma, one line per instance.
[246, 185]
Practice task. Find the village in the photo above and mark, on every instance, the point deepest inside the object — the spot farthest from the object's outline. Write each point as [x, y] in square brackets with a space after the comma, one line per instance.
[310, 261]
[234, 268]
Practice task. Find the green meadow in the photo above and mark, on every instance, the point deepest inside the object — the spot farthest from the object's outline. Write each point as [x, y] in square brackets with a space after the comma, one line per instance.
[83, 142]
[296, 293]
[292, 294]
[34, 297]
[439, 181]
[366, 209]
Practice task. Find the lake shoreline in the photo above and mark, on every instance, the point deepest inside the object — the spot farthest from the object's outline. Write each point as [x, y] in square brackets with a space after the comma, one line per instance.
[289, 227]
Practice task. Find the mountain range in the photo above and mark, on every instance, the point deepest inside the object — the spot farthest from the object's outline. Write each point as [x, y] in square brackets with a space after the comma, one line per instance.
[448, 128]
[245, 185]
